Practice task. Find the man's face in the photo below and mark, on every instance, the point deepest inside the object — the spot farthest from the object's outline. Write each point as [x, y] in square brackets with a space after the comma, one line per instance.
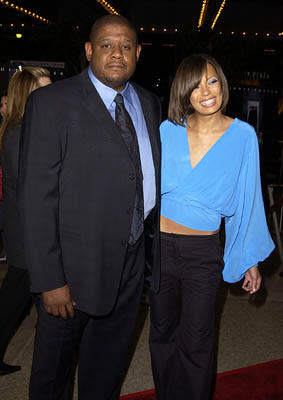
[3, 105]
[113, 54]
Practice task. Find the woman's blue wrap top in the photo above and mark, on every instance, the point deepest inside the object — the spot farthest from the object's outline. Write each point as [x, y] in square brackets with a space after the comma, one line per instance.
[224, 184]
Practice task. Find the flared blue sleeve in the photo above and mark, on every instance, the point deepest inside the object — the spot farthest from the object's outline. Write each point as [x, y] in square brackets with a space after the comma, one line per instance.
[247, 237]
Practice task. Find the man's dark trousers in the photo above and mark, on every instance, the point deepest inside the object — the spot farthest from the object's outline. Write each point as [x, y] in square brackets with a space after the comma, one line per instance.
[97, 340]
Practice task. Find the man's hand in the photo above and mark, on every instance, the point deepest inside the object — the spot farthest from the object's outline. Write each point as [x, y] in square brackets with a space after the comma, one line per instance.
[252, 280]
[59, 302]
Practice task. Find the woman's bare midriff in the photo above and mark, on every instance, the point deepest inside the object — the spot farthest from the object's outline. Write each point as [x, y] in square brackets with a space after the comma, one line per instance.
[169, 226]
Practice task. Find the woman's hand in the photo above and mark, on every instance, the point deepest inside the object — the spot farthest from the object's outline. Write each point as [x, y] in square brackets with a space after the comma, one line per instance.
[252, 280]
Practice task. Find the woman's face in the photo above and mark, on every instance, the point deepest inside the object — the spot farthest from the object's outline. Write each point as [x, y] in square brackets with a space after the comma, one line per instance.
[3, 106]
[206, 99]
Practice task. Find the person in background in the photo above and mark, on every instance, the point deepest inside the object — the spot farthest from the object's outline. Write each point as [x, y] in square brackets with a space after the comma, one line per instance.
[210, 171]
[3, 104]
[15, 296]
[3, 109]
[89, 200]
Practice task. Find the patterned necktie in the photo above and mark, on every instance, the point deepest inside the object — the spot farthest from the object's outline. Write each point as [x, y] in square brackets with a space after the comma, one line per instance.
[127, 129]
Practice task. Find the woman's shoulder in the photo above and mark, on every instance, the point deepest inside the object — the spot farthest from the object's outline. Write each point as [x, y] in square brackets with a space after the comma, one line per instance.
[243, 131]
[12, 130]
[166, 124]
[170, 129]
[244, 127]
[11, 137]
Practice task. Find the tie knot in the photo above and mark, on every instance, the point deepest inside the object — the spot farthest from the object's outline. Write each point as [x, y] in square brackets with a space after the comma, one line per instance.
[119, 99]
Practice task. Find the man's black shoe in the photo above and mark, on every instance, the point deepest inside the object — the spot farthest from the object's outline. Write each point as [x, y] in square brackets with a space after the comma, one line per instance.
[6, 369]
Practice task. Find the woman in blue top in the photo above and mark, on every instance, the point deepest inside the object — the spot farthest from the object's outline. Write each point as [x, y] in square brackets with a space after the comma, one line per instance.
[210, 172]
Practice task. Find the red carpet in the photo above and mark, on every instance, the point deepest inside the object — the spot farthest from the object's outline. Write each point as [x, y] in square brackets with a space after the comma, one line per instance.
[257, 382]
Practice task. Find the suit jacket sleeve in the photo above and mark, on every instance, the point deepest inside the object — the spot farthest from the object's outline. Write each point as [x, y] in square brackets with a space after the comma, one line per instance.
[41, 155]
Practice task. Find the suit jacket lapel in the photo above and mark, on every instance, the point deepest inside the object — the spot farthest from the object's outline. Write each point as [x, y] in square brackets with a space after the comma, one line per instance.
[101, 116]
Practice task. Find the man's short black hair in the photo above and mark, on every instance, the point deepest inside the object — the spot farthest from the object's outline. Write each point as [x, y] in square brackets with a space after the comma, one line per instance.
[111, 19]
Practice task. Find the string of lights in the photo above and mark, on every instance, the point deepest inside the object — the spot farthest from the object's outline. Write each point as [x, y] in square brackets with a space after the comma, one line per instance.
[159, 29]
[249, 34]
[107, 7]
[233, 33]
[203, 10]
[23, 10]
[170, 30]
[218, 14]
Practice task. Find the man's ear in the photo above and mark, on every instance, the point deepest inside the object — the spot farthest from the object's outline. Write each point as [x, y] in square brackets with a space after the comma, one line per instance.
[138, 51]
[88, 51]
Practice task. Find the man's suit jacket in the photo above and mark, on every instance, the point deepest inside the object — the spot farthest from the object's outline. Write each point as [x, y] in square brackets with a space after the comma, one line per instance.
[76, 191]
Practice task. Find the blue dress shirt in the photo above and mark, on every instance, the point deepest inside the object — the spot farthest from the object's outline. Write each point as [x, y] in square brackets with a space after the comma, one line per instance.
[134, 108]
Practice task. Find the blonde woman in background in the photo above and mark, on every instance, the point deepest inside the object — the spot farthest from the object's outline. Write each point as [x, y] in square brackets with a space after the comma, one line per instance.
[15, 297]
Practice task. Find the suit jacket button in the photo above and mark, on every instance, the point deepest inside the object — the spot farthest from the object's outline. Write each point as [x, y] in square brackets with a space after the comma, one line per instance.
[132, 176]
[124, 242]
[128, 211]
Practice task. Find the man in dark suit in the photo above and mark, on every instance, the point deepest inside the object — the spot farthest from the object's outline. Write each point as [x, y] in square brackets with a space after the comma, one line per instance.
[86, 153]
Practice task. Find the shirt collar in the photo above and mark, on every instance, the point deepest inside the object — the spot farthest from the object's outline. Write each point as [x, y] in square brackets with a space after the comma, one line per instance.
[107, 93]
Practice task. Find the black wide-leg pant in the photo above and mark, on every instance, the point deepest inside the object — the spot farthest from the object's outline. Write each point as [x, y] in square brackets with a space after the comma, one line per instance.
[182, 316]
[101, 343]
